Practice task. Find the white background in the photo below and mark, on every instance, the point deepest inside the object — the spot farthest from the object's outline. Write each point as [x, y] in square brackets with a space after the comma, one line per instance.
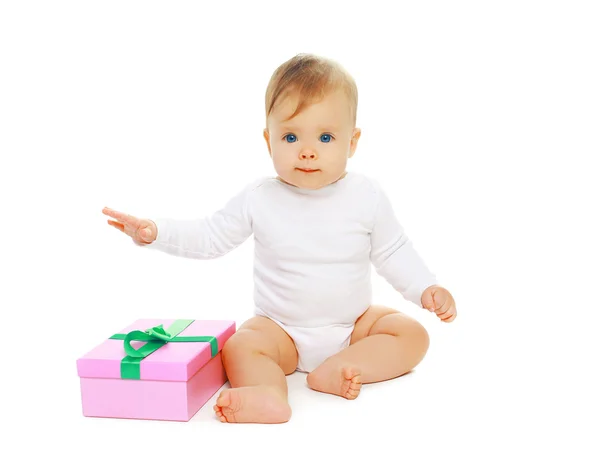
[481, 120]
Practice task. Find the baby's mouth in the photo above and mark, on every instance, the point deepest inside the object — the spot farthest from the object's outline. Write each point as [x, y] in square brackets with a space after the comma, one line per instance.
[308, 171]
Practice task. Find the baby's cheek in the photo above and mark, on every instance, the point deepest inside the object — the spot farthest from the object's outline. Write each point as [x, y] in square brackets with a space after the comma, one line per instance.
[282, 156]
[281, 164]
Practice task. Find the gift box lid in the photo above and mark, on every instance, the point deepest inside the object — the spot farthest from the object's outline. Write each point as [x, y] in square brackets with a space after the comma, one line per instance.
[174, 361]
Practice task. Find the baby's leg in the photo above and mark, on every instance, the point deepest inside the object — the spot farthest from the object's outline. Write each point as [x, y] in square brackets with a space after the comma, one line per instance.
[257, 358]
[385, 344]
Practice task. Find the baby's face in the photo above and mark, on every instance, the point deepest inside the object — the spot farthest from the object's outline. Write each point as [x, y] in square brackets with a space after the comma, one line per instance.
[311, 150]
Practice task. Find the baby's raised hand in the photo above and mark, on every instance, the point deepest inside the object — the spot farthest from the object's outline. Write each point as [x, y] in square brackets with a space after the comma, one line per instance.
[439, 300]
[140, 230]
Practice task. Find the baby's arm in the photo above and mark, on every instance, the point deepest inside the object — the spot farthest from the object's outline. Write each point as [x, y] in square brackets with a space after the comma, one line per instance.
[394, 256]
[207, 237]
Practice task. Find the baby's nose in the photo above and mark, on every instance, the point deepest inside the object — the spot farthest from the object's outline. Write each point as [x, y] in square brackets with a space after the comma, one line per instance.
[308, 155]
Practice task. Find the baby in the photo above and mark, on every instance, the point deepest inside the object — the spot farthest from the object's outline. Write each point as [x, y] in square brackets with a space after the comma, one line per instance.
[317, 230]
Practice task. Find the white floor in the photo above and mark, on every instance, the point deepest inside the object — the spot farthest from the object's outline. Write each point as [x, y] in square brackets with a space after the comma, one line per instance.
[468, 398]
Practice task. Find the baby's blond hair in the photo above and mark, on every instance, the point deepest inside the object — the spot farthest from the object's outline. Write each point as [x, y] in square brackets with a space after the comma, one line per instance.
[312, 78]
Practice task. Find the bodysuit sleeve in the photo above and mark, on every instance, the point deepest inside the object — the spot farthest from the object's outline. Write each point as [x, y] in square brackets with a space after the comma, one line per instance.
[393, 254]
[208, 237]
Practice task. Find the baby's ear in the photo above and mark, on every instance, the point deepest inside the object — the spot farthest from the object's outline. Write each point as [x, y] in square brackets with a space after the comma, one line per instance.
[266, 136]
[354, 141]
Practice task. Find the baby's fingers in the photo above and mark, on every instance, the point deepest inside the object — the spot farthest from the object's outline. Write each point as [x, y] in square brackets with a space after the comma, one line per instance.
[117, 225]
[441, 301]
[126, 219]
[449, 316]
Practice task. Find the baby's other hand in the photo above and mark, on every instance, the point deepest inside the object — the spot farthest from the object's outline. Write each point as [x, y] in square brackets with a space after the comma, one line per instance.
[140, 230]
[439, 300]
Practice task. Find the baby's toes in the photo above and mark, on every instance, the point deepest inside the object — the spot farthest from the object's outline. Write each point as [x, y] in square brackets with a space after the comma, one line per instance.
[219, 413]
[351, 394]
[352, 375]
[354, 386]
[352, 383]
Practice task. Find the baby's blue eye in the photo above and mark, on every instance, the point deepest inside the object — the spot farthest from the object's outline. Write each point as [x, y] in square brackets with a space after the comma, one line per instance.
[325, 138]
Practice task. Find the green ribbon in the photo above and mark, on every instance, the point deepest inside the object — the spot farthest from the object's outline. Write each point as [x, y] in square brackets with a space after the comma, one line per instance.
[156, 338]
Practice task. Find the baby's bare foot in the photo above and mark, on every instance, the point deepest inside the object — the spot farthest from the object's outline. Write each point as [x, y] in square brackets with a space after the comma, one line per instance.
[259, 404]
[344, 381]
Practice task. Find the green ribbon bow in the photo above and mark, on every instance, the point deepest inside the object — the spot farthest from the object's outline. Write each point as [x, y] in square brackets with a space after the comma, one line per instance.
[156, 338]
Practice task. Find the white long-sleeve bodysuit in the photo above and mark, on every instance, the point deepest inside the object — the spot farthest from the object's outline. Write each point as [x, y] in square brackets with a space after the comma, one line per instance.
[313, 255]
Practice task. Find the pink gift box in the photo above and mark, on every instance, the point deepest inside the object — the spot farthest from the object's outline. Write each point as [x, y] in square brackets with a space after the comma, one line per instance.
[174, 382]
